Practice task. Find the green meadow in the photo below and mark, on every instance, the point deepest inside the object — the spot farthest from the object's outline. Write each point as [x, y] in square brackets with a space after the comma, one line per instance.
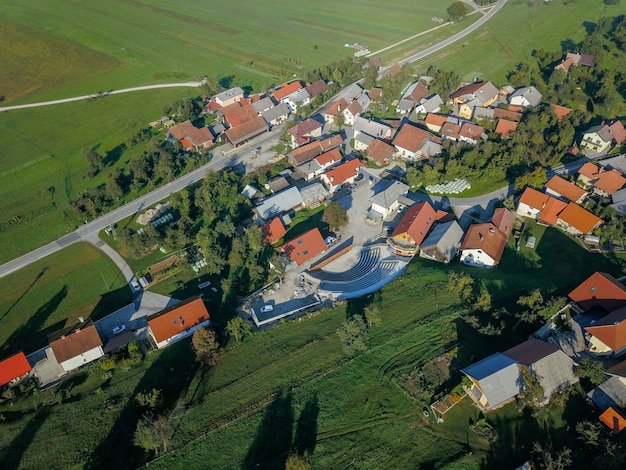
[84, 47]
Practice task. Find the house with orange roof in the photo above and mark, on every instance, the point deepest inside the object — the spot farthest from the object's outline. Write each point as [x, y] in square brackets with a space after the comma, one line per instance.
[412, 229]
[451, 131]
[577, 221]
[273, 231]
[76, 346]
[320, 164]
[587, 173]
[376, 94]
[560, 111]
[539, 206]
[304, 247]
[306, 152]
[380, 151]
[573, 59]
[435, 121]
[246, 131]
[238, 113]
[335, 109]
[470, 133]
[608, 182]
[286, 89]
[505, 127]
[560, 187]
[599, 291]
[511, 114]
[345, 173]
[195, 138]
[597, 140]
[484, 244]
[617, 131]
[177, 322]
[13, 369]
[607, 336]
[409, 141]
[613, 420]
[549, 215]
[317, 88]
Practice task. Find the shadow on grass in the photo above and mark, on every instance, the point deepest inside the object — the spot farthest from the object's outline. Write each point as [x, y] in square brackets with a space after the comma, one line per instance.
[111, 301]
[113, 155]
[515, 437]
[306, 428]
[272, 442]
[172, 373]
[13, 453]
[43, 271]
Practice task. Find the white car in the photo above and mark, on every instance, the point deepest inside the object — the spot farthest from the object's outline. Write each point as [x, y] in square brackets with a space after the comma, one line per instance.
[267, 309]
[119, 329]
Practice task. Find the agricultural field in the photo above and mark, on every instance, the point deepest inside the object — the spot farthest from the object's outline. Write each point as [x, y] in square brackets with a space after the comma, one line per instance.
[52, 293]
[132, 42]
[519, 28]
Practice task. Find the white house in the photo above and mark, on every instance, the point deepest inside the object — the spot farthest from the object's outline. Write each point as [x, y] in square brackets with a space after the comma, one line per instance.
[527, 96]
[387, 201]
[177, 322]
[229, 96]
[76, 346]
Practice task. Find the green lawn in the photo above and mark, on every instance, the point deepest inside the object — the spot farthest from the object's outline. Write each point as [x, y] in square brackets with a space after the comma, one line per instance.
[52, 293]
[132, 42]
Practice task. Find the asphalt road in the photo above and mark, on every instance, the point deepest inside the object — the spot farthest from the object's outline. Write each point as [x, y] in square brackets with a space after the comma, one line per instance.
[89, 231]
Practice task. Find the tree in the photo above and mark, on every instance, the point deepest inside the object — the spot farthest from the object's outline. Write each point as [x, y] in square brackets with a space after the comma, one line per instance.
[483, 302]
[372, 315]
[297, 462]
[145, 437]
[457, 10]
[353, 335]
[533, 394]
[588, 433]
[462, 285]
[94, 160]
[590, 370]
[151, 400]
[335, 215]
[370, 78]
[206, 346]
[238, 328]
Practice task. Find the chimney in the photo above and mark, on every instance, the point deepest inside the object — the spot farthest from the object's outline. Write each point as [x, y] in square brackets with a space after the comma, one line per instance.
[481, 236]
[491, 229]
[81, 319]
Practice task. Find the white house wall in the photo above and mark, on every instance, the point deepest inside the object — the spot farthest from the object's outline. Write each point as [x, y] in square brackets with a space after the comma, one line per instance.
[477, 258]
[81, 360]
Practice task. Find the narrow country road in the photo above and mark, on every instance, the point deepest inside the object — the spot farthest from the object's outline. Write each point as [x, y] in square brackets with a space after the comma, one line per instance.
[100, 95]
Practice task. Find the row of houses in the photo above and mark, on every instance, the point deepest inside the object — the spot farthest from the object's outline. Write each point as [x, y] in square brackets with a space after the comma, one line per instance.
[81, 344]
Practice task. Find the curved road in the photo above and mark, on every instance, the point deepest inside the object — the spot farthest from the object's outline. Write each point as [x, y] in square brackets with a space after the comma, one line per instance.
[100, 95]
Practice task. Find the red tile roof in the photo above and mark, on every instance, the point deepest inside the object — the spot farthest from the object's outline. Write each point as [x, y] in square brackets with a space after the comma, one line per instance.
[273, 231]
[395, 69]
[305, 127]
[239, 113]
[505, 127]
[550, 213]
[611, 329]
[589, 170]
[380, 151]
[305, 246]
[354, 108]
[336, 107]
[178, 318]
[410, 138]
[609, 181]
[316, 88]
[471, 131]
[531, 351]
[419, 92]
[451, 131]
[613, 420]
[309, 151]
[343, 172]
[560, 111]
[13, 367]
[579, 218]
[376, 93]
[504, 220]
[565, 188]
[435, 119]
[508, 114]
[75, 341]
[533, 198]
[599, 290]
[617, 131]
[195, 135]
[416, 222]
[486, 237]
[287, 89]
[326, 158]
[516, 109]
[247, 130]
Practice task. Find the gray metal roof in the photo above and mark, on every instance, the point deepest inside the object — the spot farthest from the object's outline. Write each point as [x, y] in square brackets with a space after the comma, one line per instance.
[225, 95]
[364, 101]
[499, 378]
[609, 393]
[353, 92]
[430, 148]
[313, 192]
[364, 138]
[373, 128]
[309, 167]
[250, 191]
[281, 110]
[263, 104]
[432, 104]
[390, 195]
[405, 105]
[531, 94]
[279, 202]
[483, 113]
[445, 239]
[555, 372]
[299, 95]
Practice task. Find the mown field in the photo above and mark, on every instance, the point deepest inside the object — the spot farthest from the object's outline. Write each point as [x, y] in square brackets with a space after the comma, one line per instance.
[290, 387]
[96, 46]
[54, 292]
[519, 28]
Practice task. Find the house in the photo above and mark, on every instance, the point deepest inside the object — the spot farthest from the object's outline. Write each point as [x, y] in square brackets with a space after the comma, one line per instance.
[496, 380]
[613, 420]
[276, 115]
[484, 92]
[177, 322]
[600, 291]
[13, 369]
[191, 137]
[286, 89]
[335, 109]
[562, 188]
[304, 132]
[560, 111]
[405, 106]
[317, 88]
[577, 221]
[376, 94]
[412, 229]
[546, 361]
[588, 174]
[362, 141]
[470, 133]
[539, 206]
[484, 243]
[370, 127]
[451, 131]
[608, 182]
[352, 92]
[307, 152]
[297, 99]
[618, 199]
[509, 114]
[435, 121]
[304, 247]
[276, 184]
[319, 164]
[380, 151]
[262, 105]
[409, 140]
[416, 92]
[376, 63]
[252, 193]
[229, 96]
[351, 112]
[443, 242]
[617, 131]
[76, 346]
[238, 113]
[345, 173]
[505, 127]
[597, 140]
[246, 131]
[313, 194]
[387, 201]
[610, 393]
[607, 336]
[431, 104]
[364, 101]
[527, 97]
[273, 231]
[284, 201]
[574, 59]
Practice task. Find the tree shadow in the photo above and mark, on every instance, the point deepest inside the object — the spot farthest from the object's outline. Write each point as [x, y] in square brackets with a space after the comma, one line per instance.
[306, 428]
[113, 155]
[227, 81]
[12, 454]
[39, 276]
[568, 45]
[111, 301]
[172, 373]
[515, 437]
[272, 442]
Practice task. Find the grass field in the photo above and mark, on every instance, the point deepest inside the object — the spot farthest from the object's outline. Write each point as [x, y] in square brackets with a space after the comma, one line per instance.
[510, 36]
[52, 293]
[132, 42]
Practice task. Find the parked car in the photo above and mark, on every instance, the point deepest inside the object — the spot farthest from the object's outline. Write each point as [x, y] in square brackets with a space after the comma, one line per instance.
[359, 177]
[135, 285]
[118, 329]
[267, 308]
